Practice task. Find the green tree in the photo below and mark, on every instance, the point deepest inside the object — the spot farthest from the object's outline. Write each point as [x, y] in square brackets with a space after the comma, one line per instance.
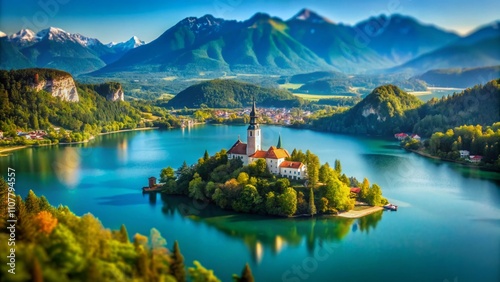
[198, 273]
[123, 234]
[364, 189]
[167, 174]
[177, 264]
[197, 187]
[325, 172]
[206, 156]
[287, 202]
[338, 167]
[375, 195]
[338, 195]
[312, 206]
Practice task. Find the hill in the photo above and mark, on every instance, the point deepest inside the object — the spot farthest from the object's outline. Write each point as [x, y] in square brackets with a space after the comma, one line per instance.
[232, 94]
[22, 106]
[388, 110]
[460, 77]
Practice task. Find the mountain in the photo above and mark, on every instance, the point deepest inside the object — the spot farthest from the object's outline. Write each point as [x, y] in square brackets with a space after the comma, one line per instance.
[132, 43]
[478, 49]
[56, 48]
[460, 77]
[2, 34]
[401, 38]
[488, 31]
[266, 44]
[231, 94]
[259, 44]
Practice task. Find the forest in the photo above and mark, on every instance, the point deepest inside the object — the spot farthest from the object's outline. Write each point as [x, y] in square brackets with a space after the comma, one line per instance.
[253, 189]
[389, 110]
[478, 140]
[21, 107]
[53, 244]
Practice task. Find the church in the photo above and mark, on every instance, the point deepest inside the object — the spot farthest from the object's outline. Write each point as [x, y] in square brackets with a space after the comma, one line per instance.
[275, 156]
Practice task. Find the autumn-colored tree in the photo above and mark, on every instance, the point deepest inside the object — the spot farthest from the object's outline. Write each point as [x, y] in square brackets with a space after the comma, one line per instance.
[46, 222]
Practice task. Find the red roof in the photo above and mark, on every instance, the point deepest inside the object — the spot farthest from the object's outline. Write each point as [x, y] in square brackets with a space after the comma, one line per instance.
[275, 153]
[355, 190]
[401, 135]
[239, 148]
[476, 157]
[259, 155]
[289, 164]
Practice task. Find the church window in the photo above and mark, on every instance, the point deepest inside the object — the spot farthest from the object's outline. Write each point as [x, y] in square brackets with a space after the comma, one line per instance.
[250, 133]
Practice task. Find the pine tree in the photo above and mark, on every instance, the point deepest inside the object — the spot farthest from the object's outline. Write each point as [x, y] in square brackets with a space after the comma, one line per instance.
[246, 275]
[177, 265]
[206, 156]
[32, 203]
[123, 234]
[338, 167]
[312, 206]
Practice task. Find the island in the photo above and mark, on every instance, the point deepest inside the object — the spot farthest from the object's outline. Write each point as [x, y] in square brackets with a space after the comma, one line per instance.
[248, 179]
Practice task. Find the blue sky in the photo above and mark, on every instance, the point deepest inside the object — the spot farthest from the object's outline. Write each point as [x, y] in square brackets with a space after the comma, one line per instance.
[118, 20]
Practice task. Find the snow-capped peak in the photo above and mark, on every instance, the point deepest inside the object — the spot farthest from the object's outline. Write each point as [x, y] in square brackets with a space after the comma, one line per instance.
[2, 34]
[23, 36]
[132, 43]
[310, 16]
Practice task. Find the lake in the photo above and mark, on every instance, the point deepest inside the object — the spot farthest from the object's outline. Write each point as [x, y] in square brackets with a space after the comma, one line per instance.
[447, 227]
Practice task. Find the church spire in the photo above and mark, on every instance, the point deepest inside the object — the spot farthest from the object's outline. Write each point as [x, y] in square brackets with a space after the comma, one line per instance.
[253, 117]
[279, 142]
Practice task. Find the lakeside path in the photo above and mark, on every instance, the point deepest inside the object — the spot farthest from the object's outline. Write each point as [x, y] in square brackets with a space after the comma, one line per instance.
[361, 213]
[8, 149]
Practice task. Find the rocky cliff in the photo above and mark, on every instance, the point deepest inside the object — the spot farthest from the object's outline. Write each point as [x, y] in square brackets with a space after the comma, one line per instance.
[117, 95]
[63, 87]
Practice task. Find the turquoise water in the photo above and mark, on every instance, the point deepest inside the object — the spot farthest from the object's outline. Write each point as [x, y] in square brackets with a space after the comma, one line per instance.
[447, 227]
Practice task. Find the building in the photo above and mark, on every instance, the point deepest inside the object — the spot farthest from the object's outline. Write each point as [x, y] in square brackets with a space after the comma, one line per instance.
[416, 137]
[275, 156]
[464, 154]
[400, 136]
[475, 159]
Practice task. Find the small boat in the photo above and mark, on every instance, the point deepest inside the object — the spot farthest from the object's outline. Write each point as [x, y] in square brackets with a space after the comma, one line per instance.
[391, 207]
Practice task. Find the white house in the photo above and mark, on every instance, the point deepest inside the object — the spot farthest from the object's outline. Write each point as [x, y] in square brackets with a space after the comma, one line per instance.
[464, 154]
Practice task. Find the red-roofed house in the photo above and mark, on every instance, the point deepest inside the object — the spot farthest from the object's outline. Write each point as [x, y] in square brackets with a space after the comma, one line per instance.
[293, 170]
[475, 159]
[274, 156]
[400, 136]
[355, 190]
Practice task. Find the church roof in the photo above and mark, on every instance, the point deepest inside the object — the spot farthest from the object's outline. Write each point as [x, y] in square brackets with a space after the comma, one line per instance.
[239, 148]
[272, 153]
[290, 164]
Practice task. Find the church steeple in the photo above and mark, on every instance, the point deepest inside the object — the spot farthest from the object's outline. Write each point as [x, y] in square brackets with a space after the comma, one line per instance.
[253, 133]
[253, 118]
[279, 142]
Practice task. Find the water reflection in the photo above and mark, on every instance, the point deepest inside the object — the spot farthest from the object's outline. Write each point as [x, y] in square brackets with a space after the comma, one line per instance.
[263, 232]
[67, 166]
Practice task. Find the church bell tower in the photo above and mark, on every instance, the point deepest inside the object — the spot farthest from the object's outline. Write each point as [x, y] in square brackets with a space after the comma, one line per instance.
[253, 133]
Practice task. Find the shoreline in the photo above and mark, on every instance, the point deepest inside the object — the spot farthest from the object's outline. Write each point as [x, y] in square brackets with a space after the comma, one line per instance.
[469, 165]
[19, 147]
[361, 213]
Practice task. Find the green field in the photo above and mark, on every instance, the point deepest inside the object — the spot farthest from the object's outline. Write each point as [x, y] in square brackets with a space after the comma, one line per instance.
[291, 86]
[316, 97]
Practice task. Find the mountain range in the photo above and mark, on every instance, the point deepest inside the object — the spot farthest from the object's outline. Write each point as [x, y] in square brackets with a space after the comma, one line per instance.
[262, 44]
[58, 49]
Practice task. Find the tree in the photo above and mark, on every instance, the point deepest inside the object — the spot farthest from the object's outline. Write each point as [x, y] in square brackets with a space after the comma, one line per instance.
[338, 167]
[46, 222]
[325, 172]
[312, 206]
[177, 264]
[167, 174]
[375, 195]
[198, 273]
[338, 195]
[123, 234]
[246, 275]
[287, 202]
[196, 188]
[243, 178]
[36, 271]
[364, 189]
[206, 156]
[32, 203]
[248, 200]
[312, 164]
